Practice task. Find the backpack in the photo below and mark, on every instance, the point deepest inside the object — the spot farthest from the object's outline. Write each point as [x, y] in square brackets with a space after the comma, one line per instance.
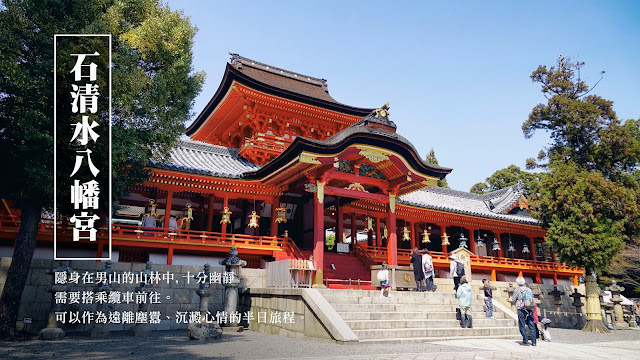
[381, 275]
[459, 269]
[527, 301]
[427, 267]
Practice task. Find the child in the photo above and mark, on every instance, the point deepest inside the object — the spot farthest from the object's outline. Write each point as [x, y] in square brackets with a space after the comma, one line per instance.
[488, 298]
[383, 276]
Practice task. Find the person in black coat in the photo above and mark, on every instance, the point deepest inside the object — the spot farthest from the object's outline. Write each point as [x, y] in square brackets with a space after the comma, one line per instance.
[418, 273]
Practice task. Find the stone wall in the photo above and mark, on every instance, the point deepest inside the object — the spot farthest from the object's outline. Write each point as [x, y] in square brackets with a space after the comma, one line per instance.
[563, 316]
[312, 315]
[175, 296]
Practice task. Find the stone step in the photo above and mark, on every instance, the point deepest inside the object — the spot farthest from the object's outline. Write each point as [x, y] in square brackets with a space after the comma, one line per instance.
[428, 324]
[437, 338]
[409, 315]
[397, 307]
[334, 299]
[397, 294]
[439, 332]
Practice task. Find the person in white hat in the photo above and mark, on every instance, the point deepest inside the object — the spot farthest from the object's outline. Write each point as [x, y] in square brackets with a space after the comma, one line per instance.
[456, 269]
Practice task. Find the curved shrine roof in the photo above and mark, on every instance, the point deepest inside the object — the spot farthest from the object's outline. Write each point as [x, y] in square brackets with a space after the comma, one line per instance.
[490, 205]
[205, 159]
[275, 81]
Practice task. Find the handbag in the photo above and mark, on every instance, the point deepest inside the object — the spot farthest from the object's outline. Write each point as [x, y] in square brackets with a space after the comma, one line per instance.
[458, 314]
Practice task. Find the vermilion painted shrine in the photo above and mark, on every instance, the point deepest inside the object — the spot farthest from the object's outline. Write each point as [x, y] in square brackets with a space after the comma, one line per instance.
[277, 167]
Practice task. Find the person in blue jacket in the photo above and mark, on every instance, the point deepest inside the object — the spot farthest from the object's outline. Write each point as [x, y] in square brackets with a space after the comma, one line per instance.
[464, 297]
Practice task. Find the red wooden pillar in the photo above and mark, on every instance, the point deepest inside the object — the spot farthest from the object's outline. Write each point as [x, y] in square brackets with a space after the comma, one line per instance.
[392, 241]
[416, 234]
[412, 235]
[339, 222]
[472, 241]
[167, 210]
[378, 239]
[170, 255]
[210, 216]
[538, 279]
[520, 273]
[494, 276]
[575, 280]
[555, 279]
[273, 230]
[443, 230]
[553, 256]
[500, 244]
[354, 236]
[318, 232]
[532, 245]
[225, 204]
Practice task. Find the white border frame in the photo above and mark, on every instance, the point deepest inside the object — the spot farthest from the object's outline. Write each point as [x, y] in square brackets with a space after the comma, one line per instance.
[55, 163]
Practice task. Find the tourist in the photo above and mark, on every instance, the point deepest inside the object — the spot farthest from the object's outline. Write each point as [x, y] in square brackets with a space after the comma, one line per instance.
[636, 312]
[488, 298]
[383, 276]
[464, 296]
[456, 269]
[525, 303]
[173, 223]
[427, 268]
[418, 273]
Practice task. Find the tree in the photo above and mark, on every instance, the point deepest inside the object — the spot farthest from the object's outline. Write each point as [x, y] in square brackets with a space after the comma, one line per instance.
[588, 199]
[431, 159]
[506, 177]
[153, 91]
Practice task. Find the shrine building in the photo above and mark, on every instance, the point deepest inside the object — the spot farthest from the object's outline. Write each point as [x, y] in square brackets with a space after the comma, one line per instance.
[278, 168]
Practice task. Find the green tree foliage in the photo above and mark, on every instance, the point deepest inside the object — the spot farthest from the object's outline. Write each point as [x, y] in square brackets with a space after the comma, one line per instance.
[431, 159]
[154, 87]
[588, 199]
[506, 177]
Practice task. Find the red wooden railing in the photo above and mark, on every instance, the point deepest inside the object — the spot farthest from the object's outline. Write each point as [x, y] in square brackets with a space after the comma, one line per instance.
[152, 234]
[379, 254]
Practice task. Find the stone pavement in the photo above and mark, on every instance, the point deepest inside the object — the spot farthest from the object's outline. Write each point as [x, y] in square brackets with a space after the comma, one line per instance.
[170, 345]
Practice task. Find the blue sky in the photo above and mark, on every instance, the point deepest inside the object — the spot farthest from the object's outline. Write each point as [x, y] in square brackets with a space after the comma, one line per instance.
[455, 73]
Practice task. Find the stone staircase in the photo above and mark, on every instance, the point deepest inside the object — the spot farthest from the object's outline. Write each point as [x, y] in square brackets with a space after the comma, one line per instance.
[414, 317]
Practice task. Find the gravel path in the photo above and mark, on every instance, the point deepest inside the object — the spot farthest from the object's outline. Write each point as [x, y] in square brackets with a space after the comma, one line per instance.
[578, 337]
[251, 345]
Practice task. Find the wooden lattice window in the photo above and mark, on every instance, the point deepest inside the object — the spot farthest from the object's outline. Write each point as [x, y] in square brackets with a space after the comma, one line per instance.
[133, 255]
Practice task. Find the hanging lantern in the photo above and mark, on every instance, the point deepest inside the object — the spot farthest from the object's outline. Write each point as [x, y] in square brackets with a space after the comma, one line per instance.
[525, 249]
[463, 240]
[385, 233]
[445, 239]
[405, 234]
[286, 234]
[479, 240]
[152, 207]
[253, 220]
[188, 212]
[539, 249]
[282, 215]
[425, 237]
[226, 216]
[496, 245]
[369, 224]
[511, 248]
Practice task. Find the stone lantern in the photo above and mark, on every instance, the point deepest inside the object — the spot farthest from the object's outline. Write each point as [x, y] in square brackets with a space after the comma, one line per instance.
[52, 331]
[509, 291]
[557, 301]
[99, 329]
[617, 307]
[143, 329]
[578, 305]
[603, 309]
[204, 329]
[232, 267]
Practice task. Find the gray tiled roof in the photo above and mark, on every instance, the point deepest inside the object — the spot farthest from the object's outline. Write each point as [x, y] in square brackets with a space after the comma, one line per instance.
[461, 202]
[200, 158]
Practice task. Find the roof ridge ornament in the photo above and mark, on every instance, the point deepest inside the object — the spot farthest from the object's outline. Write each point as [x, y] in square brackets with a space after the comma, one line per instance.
[383, 112]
